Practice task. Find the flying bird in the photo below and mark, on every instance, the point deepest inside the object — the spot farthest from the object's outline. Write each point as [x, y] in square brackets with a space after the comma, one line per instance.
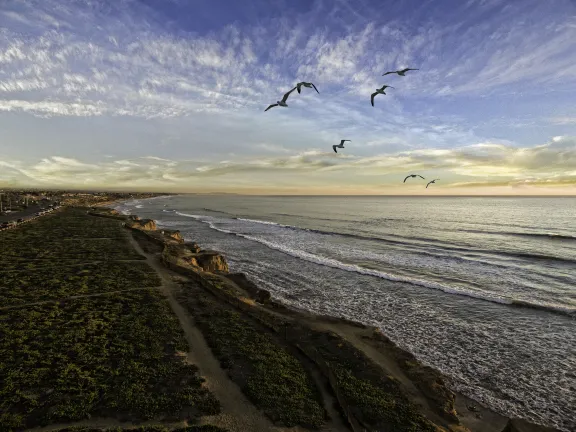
[306, 84]
[281, 103]
[341, 145]
[433, 181]
[400, 72]
[378, 91]
[413, 175]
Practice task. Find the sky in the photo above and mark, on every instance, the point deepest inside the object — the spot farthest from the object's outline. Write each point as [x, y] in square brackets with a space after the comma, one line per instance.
[169, 95]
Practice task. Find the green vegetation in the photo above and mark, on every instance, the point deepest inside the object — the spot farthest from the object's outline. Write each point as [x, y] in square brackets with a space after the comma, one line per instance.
[266, 372]
[116, 355]
[113, 356]
[65, 254]
[374, 398]
[68, 235]
[34, 283]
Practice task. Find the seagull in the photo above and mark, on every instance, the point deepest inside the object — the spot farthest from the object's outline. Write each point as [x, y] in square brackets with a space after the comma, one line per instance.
[379, 91]
[306, 84]
[281, 103]
[433, 181]
[341, 145]
[400, 72]
[413, 175]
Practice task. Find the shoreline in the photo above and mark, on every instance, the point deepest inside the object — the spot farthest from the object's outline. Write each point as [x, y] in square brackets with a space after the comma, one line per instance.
[471, 415]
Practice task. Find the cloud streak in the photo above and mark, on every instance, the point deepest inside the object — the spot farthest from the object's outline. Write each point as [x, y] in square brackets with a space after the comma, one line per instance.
[130, 66]
[484, 164]
[201, 92]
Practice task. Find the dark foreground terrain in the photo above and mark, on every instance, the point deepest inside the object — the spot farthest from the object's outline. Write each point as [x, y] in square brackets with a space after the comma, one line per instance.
[109, 324]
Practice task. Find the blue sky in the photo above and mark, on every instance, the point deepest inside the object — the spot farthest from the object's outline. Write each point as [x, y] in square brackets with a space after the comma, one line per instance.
[170, 95]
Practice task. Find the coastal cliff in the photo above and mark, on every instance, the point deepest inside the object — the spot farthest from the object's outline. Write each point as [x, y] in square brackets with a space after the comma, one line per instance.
[348, 355]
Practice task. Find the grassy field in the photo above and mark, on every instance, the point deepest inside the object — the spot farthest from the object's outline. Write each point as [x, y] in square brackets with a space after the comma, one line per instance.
[65, 236]
[35, 283]
[271, 377]
[374, 398]
[115, 355]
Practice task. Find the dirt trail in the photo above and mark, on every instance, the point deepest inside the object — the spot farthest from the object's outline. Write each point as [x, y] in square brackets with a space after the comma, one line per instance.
[354, 335]
[481, 419]
[238, 414]
[387, 363]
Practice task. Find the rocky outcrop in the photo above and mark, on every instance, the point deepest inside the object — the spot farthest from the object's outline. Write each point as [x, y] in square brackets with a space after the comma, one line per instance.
[258, 294]
[134, 217]
[208, 261]
[143, 224]
[211, 261]
[193, 247]
[174, 235]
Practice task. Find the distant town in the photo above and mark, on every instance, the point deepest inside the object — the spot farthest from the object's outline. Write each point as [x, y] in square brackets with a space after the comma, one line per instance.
[20, 206]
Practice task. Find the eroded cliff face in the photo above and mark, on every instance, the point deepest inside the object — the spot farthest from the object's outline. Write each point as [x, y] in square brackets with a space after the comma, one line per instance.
[174, 235]
[211, 261]
[143, 224]
[208, 261]
[193, 247]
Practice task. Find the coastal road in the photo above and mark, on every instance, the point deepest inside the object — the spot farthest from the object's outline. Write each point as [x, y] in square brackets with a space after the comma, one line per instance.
[24, 214]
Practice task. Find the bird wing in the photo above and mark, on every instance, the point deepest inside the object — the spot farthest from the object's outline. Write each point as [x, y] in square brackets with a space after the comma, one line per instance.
[299, 87]
[315, 89]
[411, 69]
[407, 177]
[421, 177]
[372, 98]
[285, 98]
[388, 73]
[428, 184]
[334, 147]
[343, 141]
[271, 106]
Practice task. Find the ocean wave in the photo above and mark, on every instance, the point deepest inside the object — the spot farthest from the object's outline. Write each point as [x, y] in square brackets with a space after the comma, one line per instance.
[139, 206]
[315, 218]
[263, 222]
[551, 236]
[334, 263]
[407, 239]
[189, 215]
[217, 211]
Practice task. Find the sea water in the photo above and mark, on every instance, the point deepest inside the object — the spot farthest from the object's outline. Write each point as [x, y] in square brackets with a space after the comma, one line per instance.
[483, 289]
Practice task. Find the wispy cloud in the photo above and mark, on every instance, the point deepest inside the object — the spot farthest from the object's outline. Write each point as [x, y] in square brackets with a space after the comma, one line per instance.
[483, 164]
[563, 120]
[204, 91]
[127, 65]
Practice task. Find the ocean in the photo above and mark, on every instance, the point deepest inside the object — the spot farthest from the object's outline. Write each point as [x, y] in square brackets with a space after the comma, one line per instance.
[481, 288]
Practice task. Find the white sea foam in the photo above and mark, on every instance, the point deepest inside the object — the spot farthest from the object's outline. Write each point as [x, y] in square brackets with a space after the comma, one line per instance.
[334, 263]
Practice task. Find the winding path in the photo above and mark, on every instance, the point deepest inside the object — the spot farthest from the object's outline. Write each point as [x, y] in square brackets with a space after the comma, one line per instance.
[238, 414]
